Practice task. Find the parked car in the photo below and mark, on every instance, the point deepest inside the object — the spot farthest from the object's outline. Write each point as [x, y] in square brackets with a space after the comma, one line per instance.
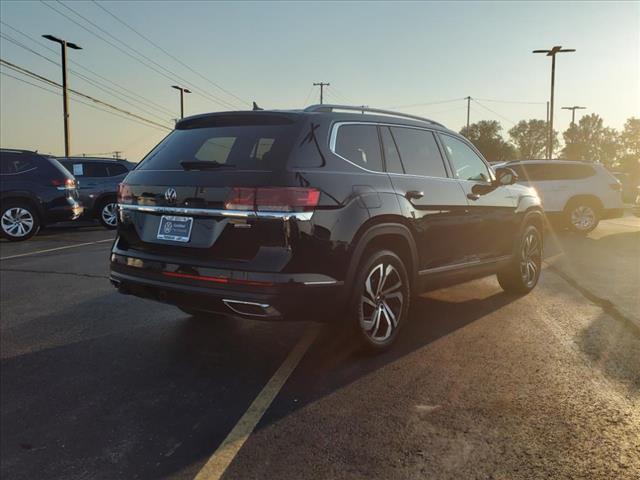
[35, 190]
[575, 194]
[98, 180]
[636, 204]
[324, 214]
[629, 188]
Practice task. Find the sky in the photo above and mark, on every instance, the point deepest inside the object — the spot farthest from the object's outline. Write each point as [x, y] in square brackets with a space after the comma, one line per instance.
[418, 57]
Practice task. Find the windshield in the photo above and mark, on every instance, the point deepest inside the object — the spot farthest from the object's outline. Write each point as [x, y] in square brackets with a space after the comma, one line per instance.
[248, 147]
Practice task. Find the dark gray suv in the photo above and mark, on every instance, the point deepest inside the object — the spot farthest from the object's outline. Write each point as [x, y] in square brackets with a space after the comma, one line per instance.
[98, 180]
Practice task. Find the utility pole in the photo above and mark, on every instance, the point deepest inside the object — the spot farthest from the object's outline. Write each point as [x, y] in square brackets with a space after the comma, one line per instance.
[552, 53]
[321, 85]
[182, 92]
[573, 112]
[468, 112]
[65, 96]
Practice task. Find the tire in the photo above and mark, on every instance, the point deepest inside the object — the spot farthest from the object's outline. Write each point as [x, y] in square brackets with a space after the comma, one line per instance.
[380, 300]
[107, 213]
[201, 314]
[582, 216]
[522, 275]
[18, 221]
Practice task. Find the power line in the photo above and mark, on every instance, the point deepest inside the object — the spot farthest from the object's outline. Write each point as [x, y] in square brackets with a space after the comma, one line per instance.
[134, 96]
[117, 47]
[492, 111]
[437, 102]
[88, 97]
[169, 54]
[510, 101]
[76, 100]
[81, 76]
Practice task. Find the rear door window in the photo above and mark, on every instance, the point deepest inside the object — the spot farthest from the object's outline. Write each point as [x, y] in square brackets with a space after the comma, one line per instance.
[249, 147]
[95, 169]
[360, 144]
[391, 156]
[540, 172]
[117, 169]
[419, 152]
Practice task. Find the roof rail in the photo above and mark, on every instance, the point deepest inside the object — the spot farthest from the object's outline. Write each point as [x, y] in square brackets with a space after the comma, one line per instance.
[324, 107]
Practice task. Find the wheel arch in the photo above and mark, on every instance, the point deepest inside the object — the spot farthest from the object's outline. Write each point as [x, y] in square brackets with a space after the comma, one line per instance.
[24, 197]
[97, 204]
[588, 198]
[394, 236]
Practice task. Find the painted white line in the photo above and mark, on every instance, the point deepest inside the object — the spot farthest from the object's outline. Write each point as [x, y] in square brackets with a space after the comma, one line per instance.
[37, 252]
[229, 448]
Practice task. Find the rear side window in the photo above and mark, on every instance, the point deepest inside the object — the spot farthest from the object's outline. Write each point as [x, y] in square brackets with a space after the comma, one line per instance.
[249, 147]
[539, 172]
[117, 169]
[360, 145]
[419, 152]
[14, 163]
[95, 169]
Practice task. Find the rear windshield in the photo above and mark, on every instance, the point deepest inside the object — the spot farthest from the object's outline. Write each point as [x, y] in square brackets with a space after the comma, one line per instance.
[246, 147]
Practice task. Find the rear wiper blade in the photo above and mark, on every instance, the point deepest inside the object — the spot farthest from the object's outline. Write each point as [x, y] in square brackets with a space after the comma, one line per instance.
[204, 164]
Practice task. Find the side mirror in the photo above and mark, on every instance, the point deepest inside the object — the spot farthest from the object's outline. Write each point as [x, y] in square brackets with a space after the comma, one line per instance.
[505, 176]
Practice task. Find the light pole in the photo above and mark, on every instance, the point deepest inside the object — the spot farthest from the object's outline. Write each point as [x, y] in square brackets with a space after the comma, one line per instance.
[573, 112]
[65, 97]
[552, 53]
[182, 92]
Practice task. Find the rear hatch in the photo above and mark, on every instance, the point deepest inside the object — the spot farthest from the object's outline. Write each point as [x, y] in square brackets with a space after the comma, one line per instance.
[214, 163]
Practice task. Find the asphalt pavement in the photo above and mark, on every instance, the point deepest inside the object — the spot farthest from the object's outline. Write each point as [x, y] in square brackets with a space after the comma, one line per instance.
[481, 384]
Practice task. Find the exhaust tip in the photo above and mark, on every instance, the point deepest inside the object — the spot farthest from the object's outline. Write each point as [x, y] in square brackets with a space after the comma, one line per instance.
[251, 309]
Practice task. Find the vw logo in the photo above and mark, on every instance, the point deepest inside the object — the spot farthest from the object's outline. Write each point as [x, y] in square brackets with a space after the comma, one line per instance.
[170, 195]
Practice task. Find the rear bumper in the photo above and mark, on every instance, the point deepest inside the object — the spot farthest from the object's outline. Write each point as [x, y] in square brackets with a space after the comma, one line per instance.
[64, 214]
[257, 295]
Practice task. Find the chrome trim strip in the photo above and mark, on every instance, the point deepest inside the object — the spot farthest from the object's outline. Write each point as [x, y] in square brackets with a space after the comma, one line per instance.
[216, 212]
[474, 263]
[321, 282]
[268, 309]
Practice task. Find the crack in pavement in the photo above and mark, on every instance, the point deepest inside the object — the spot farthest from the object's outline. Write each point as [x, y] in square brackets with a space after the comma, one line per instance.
[607, 305]
[76, 274]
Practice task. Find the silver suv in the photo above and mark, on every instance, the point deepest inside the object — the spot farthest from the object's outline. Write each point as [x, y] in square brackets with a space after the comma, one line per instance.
[579, 194]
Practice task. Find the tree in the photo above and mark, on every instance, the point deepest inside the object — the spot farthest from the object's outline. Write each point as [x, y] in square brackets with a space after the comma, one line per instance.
[629, 160]
[591, 141]
[530, 138]
[486, 137]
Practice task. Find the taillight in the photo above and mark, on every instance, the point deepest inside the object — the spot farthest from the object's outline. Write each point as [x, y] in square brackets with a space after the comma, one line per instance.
[124, 193]
[616, 186]
[273, 199]
[64, 183]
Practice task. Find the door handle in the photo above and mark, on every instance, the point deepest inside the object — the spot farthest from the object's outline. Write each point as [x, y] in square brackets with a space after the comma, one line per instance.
[473, 196]
[414, 195]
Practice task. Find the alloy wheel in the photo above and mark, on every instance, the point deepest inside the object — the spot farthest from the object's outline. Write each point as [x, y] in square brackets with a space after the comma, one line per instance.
[583, 217]
[530, 258]
[17, 222]
[381, 302]
[109, 214]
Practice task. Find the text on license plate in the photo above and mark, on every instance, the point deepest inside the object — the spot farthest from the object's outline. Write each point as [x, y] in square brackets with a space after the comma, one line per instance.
[177, 229]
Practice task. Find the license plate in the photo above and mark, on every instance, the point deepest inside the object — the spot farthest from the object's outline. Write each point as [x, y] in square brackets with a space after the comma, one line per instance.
[176, 229]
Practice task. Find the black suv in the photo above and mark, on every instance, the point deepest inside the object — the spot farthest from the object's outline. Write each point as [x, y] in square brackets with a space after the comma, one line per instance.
[98, 180]
[35, 190]
[327, 213]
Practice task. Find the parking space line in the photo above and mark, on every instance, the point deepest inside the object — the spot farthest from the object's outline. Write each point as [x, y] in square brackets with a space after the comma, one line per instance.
[229, 448]
[37, 252]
